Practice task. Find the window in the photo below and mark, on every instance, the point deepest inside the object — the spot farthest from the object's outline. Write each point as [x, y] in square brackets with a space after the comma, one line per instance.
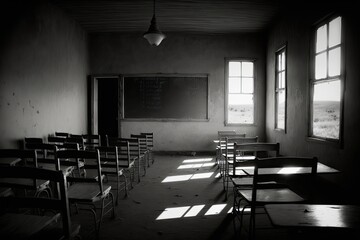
[326, 83]
[280, 89]
[239, 92]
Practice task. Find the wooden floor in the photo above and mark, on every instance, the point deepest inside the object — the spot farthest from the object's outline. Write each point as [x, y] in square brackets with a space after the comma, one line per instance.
[193, 195]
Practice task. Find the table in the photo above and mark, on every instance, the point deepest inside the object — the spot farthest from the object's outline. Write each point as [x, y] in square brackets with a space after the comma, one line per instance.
[321, 168]
[314, 215]
[23, 226]
[9, 161]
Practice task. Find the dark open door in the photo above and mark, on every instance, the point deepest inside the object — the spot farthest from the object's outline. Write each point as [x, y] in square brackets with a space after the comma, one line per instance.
[108, 99]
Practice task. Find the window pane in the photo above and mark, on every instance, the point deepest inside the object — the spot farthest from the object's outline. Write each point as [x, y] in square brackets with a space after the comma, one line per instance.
[280, 118]
[278, 80]
[334, 62]
[321, 38]
[335, 32]
[283, 61]
[282, 80]
[247, 69]
[326, 109]
[320, 66]
[279, 65]
[241, 108]
[234, 85]
[247, 85]
[234, 69]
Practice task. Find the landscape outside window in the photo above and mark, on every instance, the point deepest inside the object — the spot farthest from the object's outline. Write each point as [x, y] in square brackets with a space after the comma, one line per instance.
[326, 87]
[240, 109]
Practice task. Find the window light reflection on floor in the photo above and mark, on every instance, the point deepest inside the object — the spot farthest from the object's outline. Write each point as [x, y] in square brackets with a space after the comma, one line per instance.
[171, 213]
[188, 211]
[179, 178]
[197, 165]
[197, 160]
[194, 211]
[215, 209]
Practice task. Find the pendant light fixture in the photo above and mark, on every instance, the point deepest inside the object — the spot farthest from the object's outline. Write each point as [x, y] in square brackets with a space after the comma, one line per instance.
[154, 35]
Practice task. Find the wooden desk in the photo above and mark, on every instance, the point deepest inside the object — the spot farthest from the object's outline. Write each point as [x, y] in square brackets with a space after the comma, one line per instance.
[314, 215]
[9, 161]
[321, 168]
[23, 226]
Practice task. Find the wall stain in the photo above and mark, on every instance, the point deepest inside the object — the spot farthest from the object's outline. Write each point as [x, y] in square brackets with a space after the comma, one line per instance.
[37, 111]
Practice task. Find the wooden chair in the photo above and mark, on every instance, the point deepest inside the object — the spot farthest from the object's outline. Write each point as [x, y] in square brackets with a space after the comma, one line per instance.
[27, 158]
[144, 152]
[228, 156]
[32, 140]
[150, 145]
[110, 167]
[269, 186]
[46, 153]
[91, 141]
[245, 152]
[221, 147]
[62, 134]
[87, 192]
[18, 225]
[126, 161]
[74, 138]
[57, 140]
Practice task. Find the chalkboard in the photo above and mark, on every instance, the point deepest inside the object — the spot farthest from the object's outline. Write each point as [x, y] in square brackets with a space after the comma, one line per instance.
[165, 97]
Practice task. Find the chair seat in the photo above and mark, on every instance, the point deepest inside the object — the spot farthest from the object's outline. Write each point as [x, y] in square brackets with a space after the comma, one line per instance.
[112, 171]
[272, 195]
[27, 183]
[65, 169]
[230, 159]
[240, 181]
[87, 192]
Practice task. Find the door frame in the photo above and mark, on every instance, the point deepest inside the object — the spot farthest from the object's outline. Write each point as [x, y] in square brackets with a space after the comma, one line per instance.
[94, 100]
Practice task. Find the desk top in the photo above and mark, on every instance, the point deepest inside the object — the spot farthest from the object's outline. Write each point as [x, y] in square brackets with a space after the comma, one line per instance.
[321, 168]
[9, 161]
[314, 215]
[23, 226]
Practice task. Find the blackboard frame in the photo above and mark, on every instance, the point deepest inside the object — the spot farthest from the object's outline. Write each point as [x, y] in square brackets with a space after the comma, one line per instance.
[123, 116]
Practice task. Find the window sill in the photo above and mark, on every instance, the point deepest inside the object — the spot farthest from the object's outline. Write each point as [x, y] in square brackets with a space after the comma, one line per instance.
[335, 143]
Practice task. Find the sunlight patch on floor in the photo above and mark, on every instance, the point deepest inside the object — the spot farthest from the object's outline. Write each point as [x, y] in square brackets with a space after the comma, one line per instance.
[179, 178]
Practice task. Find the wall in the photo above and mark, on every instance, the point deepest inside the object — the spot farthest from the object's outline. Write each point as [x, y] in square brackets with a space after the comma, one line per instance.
[294, 30]
[131, 54]
[43, 69]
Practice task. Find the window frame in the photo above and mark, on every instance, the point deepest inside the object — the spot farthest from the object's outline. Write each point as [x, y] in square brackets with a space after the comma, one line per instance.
[281, 50]
[226, 92]
[341, 77]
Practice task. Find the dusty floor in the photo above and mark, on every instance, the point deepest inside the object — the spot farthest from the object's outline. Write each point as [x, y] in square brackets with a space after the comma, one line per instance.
[191, 191]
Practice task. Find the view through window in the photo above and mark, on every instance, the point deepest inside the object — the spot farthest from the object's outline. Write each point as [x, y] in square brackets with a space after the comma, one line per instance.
[326, 86]
[240, 92]
[280, 89]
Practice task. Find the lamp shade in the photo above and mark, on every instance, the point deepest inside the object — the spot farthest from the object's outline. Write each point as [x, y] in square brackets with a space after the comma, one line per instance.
[154, 35]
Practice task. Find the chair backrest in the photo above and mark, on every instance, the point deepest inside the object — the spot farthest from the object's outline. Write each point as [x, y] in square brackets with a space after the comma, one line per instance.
[45, 151]
[270, 169]
[91, 141]
[123, 145]
[28, 156]
[59, 204]
[134, 146]
[109, 157]
[142, 142]
[89, 156]
[76, 139]
[62, 134]
[230, 142]
[149, 139]
[56, 139]
[259, 149]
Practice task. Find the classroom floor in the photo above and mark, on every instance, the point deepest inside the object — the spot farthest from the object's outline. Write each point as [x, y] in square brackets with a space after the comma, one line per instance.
[193, 195]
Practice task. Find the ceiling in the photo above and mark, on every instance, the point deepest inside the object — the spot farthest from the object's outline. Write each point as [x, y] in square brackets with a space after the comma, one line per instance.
[186, 16]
